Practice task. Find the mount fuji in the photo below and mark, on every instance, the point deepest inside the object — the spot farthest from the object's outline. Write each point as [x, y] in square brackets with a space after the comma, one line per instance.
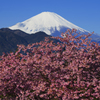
[48, 22]
[35, 29]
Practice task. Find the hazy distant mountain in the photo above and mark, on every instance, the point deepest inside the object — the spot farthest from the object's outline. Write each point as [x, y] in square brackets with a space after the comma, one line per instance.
[48, 22]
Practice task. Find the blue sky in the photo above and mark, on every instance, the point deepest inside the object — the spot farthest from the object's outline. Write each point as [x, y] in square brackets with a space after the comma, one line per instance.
[83, 13]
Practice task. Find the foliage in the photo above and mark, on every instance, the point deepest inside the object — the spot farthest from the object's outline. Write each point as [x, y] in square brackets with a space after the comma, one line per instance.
[69, 70]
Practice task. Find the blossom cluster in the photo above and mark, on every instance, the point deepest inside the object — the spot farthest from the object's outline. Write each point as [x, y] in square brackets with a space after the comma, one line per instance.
[67, 70]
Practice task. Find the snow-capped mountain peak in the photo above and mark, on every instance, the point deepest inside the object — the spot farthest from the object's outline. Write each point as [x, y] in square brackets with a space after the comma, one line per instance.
[47, 22]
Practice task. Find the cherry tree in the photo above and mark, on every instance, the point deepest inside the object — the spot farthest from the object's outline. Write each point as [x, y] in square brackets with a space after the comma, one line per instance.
[67, 70]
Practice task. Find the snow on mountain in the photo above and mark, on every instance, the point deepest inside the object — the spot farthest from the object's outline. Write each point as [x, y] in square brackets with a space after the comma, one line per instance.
[47, 22]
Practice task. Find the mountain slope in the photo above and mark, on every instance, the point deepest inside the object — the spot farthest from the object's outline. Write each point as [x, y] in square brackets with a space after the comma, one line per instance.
[48, 22]
[10, 38]
[37, 37]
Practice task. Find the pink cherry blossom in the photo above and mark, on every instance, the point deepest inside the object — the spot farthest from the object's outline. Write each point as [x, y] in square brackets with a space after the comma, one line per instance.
[47, 71]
